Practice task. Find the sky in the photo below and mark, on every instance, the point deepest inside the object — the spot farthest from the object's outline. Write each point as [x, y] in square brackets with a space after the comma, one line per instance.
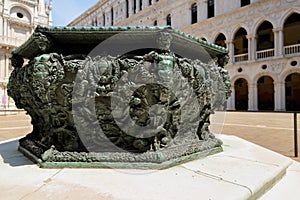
[65, 11]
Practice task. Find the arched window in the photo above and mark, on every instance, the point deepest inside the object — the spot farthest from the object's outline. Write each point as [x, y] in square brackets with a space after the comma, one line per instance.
[112, 16]
[169, 20]
[265, 38]
[240, 42]
[141, 4]
[150, 2]
[210, 8]
[95, 22]
[292, 40]
[220, 40]
[265, 41]
[134, 6]
[240, 45]
[265, 93]
[155, 23]
[292, 94]
[21, 14]
[241, 94]
[103, 18]
[127, 8]
[194, 13]
[245, 2]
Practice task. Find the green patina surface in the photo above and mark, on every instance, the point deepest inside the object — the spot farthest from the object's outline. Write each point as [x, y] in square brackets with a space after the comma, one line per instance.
[85, 101]
[67, 35]
[122, 165]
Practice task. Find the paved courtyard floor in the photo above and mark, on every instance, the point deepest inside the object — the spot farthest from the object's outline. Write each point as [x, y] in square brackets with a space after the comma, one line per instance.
[272, 130]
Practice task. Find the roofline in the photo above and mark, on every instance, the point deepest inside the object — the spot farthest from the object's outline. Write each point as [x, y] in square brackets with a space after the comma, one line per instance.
[87, 12]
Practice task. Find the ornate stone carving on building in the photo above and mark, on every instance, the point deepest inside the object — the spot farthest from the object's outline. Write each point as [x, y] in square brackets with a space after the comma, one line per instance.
[146, 108]
[18, 20]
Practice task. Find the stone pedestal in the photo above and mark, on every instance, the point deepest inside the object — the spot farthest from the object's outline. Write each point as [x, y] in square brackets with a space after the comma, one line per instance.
[242, 171]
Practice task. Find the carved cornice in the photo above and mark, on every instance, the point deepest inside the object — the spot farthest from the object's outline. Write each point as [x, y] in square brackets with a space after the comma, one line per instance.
[20, 23]
[27, 2]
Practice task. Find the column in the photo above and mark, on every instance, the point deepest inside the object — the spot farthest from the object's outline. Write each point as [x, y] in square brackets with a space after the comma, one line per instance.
[5, 30]
[137, 7]
[8, 32]
[202, 10]
[254, 47]
[252, 96]
[251, 46]
[1, 95]
[231, 99]
[6, 68]
[279, 96]
[145, 4]
[1, 25]
[278, 42]
[230, 46]
[2, 69]
[130, 7]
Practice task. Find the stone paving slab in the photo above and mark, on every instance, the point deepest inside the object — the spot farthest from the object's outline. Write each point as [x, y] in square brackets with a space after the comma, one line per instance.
[242, 171]
[272, 130]
[288, 187]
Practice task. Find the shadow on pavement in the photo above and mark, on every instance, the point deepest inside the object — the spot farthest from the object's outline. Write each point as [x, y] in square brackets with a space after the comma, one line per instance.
[10, 155]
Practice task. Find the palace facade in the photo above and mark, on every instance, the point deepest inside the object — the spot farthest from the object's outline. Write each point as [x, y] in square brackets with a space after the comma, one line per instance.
[18, 19]
[263, 38]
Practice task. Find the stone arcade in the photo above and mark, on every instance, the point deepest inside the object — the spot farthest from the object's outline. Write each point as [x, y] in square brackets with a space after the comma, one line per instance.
[124, 97]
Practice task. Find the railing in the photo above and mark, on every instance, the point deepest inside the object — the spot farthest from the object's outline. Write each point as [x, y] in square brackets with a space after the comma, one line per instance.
[292, 49]
[241, 57]
[4, 112]
[265, 53]
[11, 41]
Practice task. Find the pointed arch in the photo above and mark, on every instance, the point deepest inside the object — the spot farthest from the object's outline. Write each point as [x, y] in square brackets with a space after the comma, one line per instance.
[288, 14]
[291, 39]
[220, 40]
[220, 32]
[265, 41]
[241, 44]
[260, 21]
[237, 28]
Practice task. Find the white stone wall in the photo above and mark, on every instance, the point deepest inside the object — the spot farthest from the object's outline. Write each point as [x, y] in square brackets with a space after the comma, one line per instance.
[17, 21]
[229, 17]
[250, 18]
